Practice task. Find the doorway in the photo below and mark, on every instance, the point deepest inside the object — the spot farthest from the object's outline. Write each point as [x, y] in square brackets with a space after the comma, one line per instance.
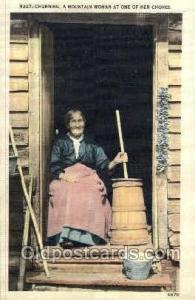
[100, 68]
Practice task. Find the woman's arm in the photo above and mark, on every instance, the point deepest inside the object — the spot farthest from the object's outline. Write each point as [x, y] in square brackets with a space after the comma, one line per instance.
[102, 161]
[119, 158]
[56, 166]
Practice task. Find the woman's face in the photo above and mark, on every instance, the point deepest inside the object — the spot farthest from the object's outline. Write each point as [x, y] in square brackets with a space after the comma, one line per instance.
[76, 125]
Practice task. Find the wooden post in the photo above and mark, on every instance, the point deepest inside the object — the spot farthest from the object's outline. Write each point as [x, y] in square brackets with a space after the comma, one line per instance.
[159, 199]
[121, 141]
[34, 115]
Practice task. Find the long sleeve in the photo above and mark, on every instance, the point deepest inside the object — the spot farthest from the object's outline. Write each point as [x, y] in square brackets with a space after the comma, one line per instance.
[56, 164]
[101, 159]
[102, 162]
[63, 156]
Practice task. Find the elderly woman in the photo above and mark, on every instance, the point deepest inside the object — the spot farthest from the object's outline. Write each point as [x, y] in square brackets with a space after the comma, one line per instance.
[79, 210]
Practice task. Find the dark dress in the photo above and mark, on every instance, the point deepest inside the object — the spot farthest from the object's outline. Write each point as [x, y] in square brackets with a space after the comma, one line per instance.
[63, 156]
[90, 154]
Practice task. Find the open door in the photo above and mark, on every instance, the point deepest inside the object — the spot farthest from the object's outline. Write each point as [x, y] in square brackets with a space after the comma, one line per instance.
[46, 118]
[41, 103]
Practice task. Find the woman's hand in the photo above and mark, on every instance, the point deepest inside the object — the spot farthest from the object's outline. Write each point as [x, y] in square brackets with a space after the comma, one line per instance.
[68, 177]
[120, 158]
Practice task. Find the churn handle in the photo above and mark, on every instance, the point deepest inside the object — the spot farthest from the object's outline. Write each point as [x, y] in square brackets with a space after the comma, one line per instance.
[118, 120]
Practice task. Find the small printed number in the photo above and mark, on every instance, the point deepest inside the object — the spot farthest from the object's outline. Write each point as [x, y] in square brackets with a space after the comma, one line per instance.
[173, 294]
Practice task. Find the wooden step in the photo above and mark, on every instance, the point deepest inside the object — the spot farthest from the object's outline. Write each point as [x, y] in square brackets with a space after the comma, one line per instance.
[100, 255]
[103, 251]
[63, 278]
[82, 268]
[80, 260]
[88, 272]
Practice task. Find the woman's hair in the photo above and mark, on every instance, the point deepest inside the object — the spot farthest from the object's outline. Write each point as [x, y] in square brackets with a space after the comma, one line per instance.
[69, 115]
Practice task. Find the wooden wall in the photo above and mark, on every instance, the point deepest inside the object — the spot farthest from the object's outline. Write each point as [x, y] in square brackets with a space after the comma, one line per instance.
[19, 119]
[19, 114]
[174, 164]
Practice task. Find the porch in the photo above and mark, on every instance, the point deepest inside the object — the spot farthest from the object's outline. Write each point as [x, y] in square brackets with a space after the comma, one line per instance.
[96, 267]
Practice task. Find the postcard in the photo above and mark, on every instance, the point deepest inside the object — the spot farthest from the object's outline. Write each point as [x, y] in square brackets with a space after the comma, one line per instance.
[97, 149]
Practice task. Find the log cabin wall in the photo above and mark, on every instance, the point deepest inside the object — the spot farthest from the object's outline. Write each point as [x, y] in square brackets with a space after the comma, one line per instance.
[19, 112]
[174, 63]
[19, 120]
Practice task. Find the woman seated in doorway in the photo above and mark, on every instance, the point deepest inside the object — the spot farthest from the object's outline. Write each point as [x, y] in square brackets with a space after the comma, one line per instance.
[79, 210]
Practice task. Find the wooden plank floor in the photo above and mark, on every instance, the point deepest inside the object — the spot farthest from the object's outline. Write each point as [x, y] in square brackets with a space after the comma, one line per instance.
[91, 272]
[96, 279]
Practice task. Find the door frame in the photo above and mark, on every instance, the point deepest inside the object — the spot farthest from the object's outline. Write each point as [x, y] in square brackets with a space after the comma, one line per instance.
[160, 80]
